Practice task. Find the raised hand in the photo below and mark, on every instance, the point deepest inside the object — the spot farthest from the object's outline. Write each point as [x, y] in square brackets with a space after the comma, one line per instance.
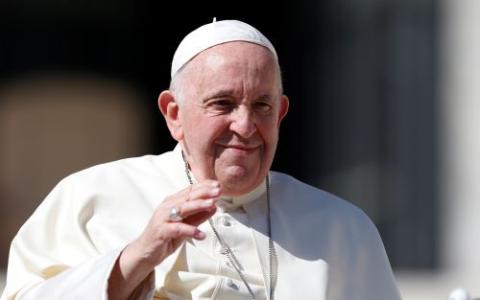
[163, 235]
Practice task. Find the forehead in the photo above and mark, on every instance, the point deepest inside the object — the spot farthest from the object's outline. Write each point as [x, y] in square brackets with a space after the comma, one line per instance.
[233, 65]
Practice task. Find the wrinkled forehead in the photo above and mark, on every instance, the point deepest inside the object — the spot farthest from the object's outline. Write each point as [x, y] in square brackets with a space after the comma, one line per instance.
[238, 53]
[241, 68]
[231, 58]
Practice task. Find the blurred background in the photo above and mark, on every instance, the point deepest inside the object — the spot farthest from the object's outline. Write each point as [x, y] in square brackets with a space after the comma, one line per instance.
[384, 109]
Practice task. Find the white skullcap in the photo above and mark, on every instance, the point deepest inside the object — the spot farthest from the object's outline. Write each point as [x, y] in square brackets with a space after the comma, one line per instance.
[213, 34]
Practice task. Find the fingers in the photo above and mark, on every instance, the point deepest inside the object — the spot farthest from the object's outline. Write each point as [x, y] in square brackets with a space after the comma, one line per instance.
[182, 231]
[190, 208]
[198, 198]
[203, 190]
[193, 212]
[157, 242]
[200, 217]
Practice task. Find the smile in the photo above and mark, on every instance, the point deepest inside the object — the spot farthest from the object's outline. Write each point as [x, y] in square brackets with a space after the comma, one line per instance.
[240, 148]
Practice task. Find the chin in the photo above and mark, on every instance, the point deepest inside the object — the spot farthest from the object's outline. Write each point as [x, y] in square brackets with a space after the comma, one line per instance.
[235, 189]
[237, 181]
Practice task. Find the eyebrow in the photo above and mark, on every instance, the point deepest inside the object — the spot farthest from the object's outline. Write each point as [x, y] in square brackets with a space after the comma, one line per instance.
[266, 97]
[229, 93]
[218, 94]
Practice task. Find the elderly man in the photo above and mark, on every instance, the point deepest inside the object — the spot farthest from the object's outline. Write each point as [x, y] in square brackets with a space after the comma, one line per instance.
[207, 220]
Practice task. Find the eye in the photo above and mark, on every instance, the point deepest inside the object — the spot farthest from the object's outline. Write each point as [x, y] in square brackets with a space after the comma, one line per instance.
[220, 105]
[262, 106]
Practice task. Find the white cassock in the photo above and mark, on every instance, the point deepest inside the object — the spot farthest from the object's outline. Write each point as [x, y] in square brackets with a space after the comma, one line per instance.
[325, 248]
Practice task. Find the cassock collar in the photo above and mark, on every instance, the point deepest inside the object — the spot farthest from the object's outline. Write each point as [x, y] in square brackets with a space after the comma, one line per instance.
[232, 203]
[229, 202]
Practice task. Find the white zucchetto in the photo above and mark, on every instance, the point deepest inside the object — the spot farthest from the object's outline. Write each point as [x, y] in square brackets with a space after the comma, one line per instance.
[213, 34]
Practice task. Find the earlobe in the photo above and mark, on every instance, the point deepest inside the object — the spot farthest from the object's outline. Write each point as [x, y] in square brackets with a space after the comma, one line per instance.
[170, 111]
[284, 104]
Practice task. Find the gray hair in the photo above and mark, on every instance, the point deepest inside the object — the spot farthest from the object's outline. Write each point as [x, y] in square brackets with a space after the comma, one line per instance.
[177, 84]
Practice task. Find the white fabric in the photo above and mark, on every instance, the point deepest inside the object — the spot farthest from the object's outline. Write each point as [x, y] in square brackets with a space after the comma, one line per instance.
[325, 247]
[202, 272]
[216, 33]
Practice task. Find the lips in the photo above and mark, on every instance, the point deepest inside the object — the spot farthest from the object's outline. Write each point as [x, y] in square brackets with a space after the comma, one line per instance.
[240, 148]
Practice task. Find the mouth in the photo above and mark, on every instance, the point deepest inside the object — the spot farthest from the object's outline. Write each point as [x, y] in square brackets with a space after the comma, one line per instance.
[240, 148]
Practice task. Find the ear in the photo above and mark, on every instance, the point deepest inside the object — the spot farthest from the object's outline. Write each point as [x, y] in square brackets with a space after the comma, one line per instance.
[170, 111]
[284, 103]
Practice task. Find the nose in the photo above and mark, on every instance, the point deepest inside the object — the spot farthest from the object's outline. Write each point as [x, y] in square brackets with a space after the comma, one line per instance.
[243, 122]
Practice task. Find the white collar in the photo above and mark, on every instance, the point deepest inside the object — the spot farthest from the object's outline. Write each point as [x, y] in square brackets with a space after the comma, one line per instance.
[233, 202]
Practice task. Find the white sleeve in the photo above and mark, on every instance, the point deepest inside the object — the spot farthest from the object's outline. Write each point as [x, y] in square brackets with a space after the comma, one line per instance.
[86, 281]
[53, 256]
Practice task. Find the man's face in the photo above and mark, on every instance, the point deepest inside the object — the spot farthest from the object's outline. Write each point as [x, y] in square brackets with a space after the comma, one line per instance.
[230, 115]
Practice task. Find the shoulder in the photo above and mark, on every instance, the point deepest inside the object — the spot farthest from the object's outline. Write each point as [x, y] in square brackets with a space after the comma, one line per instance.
[143, 179]
[323, 221]
[305, 195]
[130, 184]
[296, 199]
[319, 226]
[127, 171]
[148, 164]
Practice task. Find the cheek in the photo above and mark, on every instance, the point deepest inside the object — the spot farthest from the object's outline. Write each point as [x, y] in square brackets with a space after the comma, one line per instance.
[269, 132]
[206, 131]
[215, 127]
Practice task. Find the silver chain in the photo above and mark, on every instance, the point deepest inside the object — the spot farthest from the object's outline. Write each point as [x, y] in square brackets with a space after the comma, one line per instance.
[227, 251]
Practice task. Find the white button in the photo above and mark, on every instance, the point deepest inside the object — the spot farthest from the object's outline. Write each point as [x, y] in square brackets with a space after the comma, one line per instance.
[232, 284]
[226, 222]
[222, 250]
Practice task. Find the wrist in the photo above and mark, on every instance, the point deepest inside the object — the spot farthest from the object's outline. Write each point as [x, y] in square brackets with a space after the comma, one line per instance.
[128, 273]
[134, 265]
